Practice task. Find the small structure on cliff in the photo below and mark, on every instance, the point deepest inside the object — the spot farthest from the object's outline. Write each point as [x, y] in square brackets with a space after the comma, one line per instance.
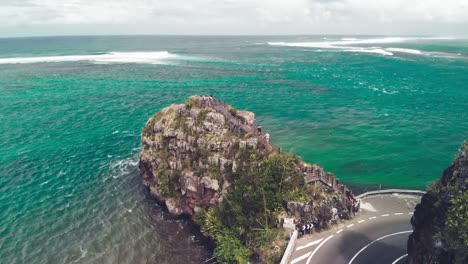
[204, 159]
[440, 222]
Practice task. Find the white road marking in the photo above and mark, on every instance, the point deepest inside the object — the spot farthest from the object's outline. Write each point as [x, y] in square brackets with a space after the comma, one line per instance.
[309, 244]
[410, 213]
[374, 217]
[385, 215]
[380, 238]
[350, 225]
[300, 258]
[398, 213]
[317, 248]
[339, 231]
[400, 258]
[360, 221]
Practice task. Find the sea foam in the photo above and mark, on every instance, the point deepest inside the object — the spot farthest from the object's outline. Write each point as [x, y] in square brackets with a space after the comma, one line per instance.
[402, 50]
[112, 57]
[341, 44]
[359, 45]
[354, 41]
[373, 50]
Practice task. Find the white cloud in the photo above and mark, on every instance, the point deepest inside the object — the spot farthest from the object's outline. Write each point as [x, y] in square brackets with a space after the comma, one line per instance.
[238, 16]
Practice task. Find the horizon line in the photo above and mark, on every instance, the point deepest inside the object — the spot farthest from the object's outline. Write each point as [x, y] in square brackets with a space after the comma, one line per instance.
[228, 35]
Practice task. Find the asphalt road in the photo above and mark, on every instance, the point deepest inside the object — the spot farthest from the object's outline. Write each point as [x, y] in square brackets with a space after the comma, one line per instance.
[378, 235]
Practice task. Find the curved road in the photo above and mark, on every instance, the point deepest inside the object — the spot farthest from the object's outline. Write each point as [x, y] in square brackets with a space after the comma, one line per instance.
[378, 235]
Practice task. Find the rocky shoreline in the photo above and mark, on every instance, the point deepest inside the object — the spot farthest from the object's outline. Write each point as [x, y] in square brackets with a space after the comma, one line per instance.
[207, 162]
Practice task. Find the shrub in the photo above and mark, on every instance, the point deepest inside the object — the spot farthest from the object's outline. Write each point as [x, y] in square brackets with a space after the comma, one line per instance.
[246, 218]
[201, 117]
[190, 103]
[231, 250]
[179, 122]
[297, 194]
[457, 224]
[164, 181]
[233, 111]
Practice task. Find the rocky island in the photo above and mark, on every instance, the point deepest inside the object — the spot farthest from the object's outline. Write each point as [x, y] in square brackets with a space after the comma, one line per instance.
[207, 161]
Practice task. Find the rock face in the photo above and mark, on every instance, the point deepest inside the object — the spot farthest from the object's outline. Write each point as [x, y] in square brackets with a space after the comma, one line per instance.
[187, 151]
[205, 160]
[321, 212]
[440, 222]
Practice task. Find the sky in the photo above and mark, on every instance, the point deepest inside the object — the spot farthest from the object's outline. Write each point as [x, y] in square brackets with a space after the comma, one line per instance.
[233, 17]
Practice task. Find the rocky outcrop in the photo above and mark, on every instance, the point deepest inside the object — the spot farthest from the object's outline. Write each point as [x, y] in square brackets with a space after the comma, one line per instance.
[188, 149]
[198, 154]
[440, 222]
[322, 211]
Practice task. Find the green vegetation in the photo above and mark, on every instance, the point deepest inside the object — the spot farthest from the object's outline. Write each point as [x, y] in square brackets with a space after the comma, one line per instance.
[462, 157]
[457, 223]
[190, 103]
[148, 129]
[164, 180]
[233, 111]
[179, 122]
[246, 219]
[244, 225]
[201, 117]
[231, 250]
[450, 198]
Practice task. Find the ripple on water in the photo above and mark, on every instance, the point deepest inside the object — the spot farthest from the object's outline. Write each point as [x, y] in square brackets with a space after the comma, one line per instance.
[110, 221]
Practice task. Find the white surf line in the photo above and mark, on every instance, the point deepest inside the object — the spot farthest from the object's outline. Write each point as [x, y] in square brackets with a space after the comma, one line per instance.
[349, 225]
[309, 244]
[385, 215]
[360, 221]
[374, 217]
[398, 213]
[378, 239]
[400, 258]
[317, 248]
[339, 231]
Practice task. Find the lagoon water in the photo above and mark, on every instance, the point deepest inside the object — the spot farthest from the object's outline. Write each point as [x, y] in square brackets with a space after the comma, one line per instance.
[373, 110]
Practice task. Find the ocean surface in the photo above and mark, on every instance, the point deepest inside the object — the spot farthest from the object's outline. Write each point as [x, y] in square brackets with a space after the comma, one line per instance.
[388, 111]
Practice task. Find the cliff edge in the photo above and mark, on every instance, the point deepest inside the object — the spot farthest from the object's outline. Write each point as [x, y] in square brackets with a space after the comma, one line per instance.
[208, 161]
[440, 222]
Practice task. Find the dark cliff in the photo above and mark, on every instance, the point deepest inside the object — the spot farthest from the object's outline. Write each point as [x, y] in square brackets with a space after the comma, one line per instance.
[440, 221]
[204, 159]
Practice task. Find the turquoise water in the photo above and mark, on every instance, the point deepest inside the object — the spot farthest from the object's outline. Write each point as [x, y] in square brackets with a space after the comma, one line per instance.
[380, 111]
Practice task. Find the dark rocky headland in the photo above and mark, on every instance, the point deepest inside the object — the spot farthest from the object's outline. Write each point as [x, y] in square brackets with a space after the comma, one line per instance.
[205, 160]
[440, 221]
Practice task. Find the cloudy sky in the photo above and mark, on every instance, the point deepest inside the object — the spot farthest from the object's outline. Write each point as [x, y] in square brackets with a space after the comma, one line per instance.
[266, 17]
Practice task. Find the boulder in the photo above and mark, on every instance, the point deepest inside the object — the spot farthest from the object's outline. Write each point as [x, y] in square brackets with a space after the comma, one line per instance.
[210, 183]
[173, 207]
[248, 117]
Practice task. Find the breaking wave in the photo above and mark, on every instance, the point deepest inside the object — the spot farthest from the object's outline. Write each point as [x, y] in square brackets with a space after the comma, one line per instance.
[346, 42]
[437, 54]
[360, 45]
[409, 51]
[373, 50]
[159, 57]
